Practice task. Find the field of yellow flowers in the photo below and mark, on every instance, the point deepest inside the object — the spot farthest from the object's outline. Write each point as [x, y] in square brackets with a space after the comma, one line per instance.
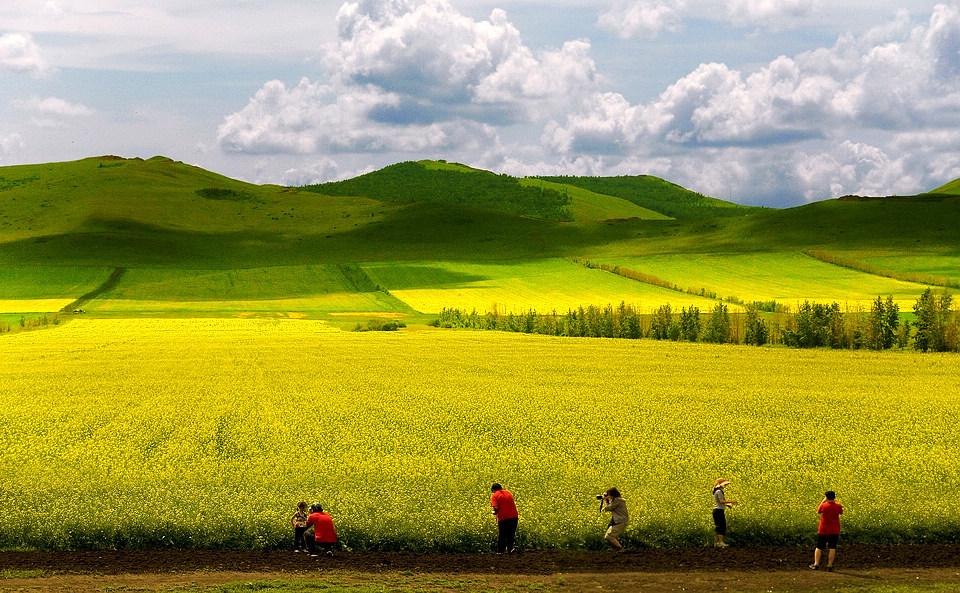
[205, 433]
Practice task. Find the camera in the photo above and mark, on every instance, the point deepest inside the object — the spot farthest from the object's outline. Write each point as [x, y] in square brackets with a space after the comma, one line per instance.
[599, 497]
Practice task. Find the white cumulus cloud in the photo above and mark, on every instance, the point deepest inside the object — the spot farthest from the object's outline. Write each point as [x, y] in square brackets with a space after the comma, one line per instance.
[10, 144]
[872, 114]
[772, 14]
[54, 106]
[326, 169]
[409, 75]
[643, 18]
[52, 112]
[312, 117]
[20, 53]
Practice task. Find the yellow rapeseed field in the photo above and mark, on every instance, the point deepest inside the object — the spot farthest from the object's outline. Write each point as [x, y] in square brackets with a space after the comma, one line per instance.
[144, 433]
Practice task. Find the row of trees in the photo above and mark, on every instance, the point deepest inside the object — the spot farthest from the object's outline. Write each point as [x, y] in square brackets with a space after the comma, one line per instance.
[813, 325]
[25, 323]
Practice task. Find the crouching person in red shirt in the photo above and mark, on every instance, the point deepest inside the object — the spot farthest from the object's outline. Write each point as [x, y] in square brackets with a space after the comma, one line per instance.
[324, 534]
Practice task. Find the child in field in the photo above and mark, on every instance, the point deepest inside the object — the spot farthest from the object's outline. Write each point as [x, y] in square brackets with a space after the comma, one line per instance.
[299, 522]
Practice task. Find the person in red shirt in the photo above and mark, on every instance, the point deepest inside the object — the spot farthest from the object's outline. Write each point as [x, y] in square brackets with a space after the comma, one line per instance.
[828, 532]
[324, 534]
[505, 510]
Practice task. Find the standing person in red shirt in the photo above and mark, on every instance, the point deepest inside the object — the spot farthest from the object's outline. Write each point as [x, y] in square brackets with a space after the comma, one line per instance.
[324, 534]
[828, 533]
[505, 510]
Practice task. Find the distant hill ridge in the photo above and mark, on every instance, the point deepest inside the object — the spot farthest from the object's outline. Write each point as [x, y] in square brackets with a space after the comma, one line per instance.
[426, 181]
[657, 194]
[115, 212]
[552, 198]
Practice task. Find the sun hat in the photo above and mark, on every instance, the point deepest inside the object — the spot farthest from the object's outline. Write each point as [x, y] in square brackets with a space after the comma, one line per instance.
[721, 482]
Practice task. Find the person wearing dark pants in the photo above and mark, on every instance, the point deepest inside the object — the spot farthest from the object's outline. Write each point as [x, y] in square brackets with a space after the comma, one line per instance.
[720, 504]
[505, 510]
[828, 532]
[299, 522]
[324, 534]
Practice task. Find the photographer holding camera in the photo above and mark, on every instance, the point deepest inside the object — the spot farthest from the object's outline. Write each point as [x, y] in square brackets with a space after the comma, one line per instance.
[614, 504]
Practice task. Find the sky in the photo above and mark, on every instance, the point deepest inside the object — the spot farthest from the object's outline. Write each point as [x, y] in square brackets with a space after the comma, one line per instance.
[764, 102]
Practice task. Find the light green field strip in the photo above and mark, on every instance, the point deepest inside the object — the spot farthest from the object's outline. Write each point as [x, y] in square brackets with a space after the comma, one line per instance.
[930, 264]
[328, 303]
[309, 288]
[42, 282]
[788, 278]
[205, 433]
[248, 284]
[587, 205]
[542, 285]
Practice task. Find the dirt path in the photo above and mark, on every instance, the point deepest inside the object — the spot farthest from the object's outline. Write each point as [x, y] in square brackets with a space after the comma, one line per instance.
[690, 569]
[696, 581]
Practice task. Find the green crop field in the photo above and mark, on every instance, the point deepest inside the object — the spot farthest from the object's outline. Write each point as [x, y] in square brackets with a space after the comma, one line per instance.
[199, 433]
[306, 289]
[787, 278]
[937, 265]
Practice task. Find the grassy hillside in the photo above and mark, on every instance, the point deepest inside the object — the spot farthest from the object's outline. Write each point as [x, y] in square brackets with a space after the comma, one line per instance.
[658, 195]
[586, 205]
[194, 241]
[411, 182]
[87, 195]
[951, 189]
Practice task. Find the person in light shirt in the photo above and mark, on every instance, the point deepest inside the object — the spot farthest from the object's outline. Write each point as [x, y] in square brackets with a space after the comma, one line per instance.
[614, 504]
[720, 505]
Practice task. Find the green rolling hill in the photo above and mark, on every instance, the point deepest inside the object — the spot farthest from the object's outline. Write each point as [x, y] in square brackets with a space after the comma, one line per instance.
[414, 237]
[656, 194]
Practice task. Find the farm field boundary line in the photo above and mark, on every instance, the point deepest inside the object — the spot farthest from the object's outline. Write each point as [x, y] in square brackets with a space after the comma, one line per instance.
[108, 284]
[647, 560]
[851, 264]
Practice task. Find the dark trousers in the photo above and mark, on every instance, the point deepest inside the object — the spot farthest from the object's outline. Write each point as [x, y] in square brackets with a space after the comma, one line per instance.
[720, 521]
[506, 535]
[298, 540]
[315, 546]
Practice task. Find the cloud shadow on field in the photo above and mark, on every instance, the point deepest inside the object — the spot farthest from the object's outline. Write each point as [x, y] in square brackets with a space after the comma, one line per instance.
[413, 276]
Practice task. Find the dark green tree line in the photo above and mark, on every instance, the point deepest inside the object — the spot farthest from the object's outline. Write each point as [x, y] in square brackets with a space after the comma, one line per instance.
[812, 325]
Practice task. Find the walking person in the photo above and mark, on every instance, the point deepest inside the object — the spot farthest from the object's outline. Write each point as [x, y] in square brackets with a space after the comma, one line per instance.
[505, 510]
[828, 532]
[324, 534]
[614, 504]
[299, 522]
[720, 505]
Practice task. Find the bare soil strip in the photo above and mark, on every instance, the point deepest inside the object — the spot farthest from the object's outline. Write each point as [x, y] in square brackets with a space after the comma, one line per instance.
[772, 558]
[749, 569]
